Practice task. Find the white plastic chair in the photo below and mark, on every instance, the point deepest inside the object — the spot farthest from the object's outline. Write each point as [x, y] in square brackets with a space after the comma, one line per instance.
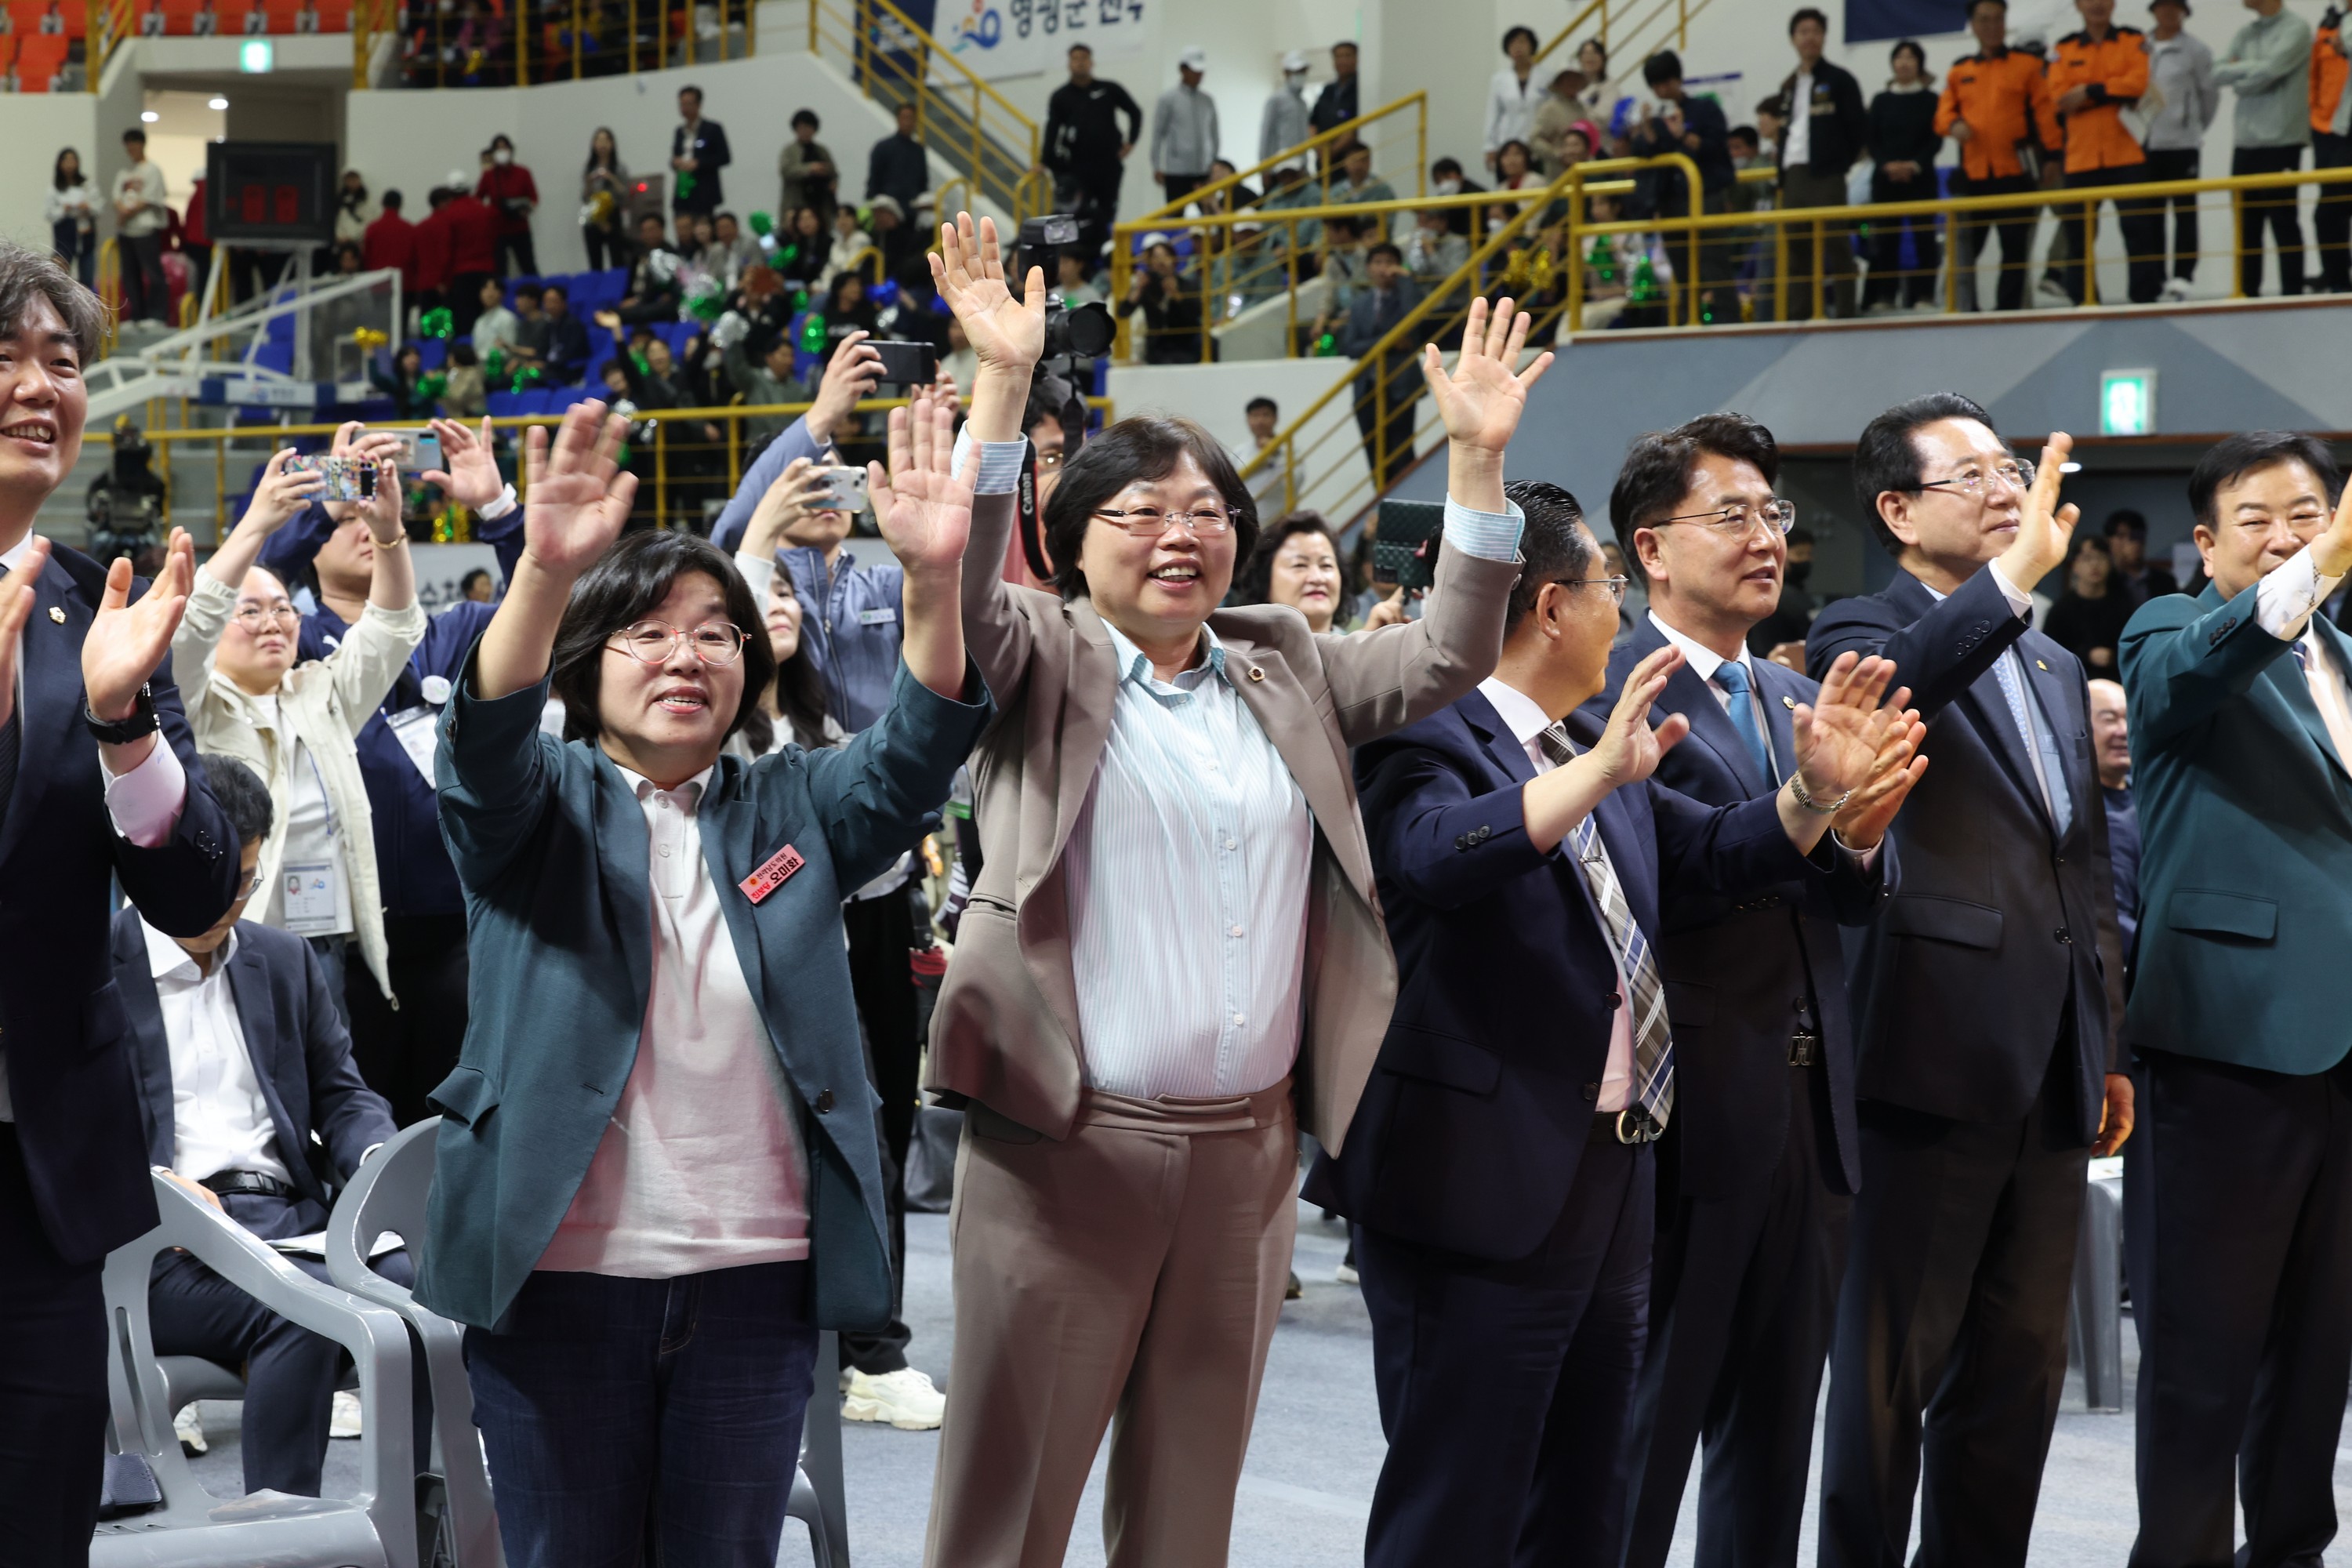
[195, 1530]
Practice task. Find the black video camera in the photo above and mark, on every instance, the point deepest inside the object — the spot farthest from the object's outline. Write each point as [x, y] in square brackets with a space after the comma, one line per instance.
[1084, 334]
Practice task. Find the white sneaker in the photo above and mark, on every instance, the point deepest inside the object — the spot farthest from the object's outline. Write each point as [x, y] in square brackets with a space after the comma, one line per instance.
[190, 1430]
[904, 1398]
[2049, 295]
[2175, 290]
[346, 1421]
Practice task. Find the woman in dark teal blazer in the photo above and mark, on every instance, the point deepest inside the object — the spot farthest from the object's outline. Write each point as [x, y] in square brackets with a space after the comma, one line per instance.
[657, 1174]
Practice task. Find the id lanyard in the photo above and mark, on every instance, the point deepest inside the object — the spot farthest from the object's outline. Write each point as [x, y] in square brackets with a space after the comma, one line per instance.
[310, 888]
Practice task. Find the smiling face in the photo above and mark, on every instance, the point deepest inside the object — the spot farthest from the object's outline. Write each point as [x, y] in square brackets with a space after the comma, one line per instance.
[1159, 589]
[257, 647]
[43, 403]
[2110, 733]
[1511, 163]
[1591, 60]
[1700, 578]
[666, 720]
[784, 617]
[1305, 576]
[2262, 518]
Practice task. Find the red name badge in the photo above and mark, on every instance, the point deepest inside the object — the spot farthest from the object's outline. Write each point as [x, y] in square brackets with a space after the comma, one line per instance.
[771, 876]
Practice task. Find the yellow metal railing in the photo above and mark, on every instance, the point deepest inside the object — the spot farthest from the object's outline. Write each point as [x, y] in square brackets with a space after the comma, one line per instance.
[1312, 153]
[553, 40]
[957, 114]
[108, 25]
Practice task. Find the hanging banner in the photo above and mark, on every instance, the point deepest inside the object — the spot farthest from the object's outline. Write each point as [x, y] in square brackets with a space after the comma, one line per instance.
[996, 38]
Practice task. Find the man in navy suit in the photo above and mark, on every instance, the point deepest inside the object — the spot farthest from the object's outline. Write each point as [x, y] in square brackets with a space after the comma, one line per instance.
[1757, 1170]
[2240, 1230]
[1986, 995]
[88, 797]
[1499, 1172]
[241, 1055]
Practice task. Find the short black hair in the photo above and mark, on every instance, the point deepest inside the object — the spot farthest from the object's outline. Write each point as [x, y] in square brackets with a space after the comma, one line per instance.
[1657, 471]
[1753, 137]
[134, 134]
[466, 584]
[2123, 520]
[1808, 14]
[1268, 403]
[690, 87]
[1385, 248]
[392, 200]
[1887, 458]
[614, 366]
[1344, 44]
[622, 588]
[1521, 32]
[806, 117]
[1144, 448]
[2232, 459]
[28, 276]
[1976, 6]
[1918, 53]
[1255, 585]
[1554, 546]
[1444, 166]
[244, 798]
[558, 289]
[1663, 65]
[1074, 48]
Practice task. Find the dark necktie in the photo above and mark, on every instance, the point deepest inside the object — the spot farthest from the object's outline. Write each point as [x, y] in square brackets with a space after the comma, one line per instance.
[11, 731]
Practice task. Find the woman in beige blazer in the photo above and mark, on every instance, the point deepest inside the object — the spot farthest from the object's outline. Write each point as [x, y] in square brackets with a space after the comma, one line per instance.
[1174, 958]
[295, 724]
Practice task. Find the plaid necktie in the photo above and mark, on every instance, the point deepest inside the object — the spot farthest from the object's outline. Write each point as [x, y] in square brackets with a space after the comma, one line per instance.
[10, 733]
[1653, 1046]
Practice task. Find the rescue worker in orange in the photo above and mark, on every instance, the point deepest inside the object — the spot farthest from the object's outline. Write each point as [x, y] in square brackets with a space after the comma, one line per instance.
[1998, 106]
[2331, 148]
[2095, 75]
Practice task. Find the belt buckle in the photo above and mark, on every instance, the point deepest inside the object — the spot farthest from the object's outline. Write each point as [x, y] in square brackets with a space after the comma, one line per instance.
[1635, 1125]
[1804, 1049]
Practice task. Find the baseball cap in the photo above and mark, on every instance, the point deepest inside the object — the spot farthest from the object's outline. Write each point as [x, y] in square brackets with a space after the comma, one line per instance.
[1196, 59]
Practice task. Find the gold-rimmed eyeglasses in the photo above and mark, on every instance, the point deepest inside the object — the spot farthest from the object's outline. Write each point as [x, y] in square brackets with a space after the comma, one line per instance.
[1150, 523]
[653, 642]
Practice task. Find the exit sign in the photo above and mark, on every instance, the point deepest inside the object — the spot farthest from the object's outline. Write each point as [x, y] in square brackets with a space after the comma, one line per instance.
[2127, 403]
[256, 57]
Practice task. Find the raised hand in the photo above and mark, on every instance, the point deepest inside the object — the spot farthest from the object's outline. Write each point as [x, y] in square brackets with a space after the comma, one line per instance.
[798, 490]
[472, 479]
[1482, 400]
[579, 497]
[16, 610]
[2043, 527]
[923, 506]
[969, 270]
[127, 643]
[1838, 738]
[280, 496]
[2331, 550]
[1629, 749]
[854, 369]
[1866, 816]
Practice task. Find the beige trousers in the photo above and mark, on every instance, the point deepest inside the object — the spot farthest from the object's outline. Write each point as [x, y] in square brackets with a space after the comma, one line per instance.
[1126, 1277]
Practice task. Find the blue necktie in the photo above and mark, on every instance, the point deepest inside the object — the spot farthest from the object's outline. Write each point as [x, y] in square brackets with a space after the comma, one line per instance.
[1732, 675]
[2036, 731]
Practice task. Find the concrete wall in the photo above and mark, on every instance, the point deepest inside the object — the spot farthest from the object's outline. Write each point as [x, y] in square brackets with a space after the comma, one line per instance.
[38, 124]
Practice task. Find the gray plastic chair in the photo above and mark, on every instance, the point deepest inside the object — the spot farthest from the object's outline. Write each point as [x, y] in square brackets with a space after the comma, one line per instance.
[195, 1530]
[388, 1192]
[2095, 1315]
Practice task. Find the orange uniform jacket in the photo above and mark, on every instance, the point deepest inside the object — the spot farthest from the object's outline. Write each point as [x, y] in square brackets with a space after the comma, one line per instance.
[2329, 71]
[2115, 69]
[2006, 100]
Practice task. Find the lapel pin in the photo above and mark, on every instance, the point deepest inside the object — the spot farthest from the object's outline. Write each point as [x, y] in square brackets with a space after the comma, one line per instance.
[2042, 667]
[772, 875]
[1789, 702]
[1255, 673]
[58, 614]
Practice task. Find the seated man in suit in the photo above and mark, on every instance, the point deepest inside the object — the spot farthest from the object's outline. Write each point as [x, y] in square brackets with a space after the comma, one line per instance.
[242, 1059]
[1498, 1170]
[1756, 1171]
[2241, 1206]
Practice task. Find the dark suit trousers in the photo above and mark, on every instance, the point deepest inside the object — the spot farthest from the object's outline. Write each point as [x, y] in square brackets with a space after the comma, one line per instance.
[52, 1384]
[289, 1372]
[881, 933]
[2142, 224]
[404, 1053]
[1504, 1388]
[1740, 1309]
[2014, 230]
[2238, 1184]
[1953, 1317]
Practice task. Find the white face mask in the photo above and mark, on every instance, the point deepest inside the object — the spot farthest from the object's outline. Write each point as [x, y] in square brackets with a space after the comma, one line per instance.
[1447, 186]
[502, 156]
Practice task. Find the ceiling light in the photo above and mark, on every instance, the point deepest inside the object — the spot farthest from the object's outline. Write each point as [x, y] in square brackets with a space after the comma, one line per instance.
[216, 103]
[149, 116]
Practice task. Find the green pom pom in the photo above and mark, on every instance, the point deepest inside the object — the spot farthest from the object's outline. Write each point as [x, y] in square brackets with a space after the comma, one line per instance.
[763, 224]
[813, 333]
[433, 384]
[707, 307]
[437, 323]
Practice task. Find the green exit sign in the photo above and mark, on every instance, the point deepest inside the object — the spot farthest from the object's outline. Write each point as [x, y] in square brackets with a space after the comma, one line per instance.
[2127, 403]
[256, 57]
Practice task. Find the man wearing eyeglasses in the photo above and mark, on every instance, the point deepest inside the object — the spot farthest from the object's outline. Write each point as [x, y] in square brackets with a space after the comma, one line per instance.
[2241, 1210]
[1499, 1171]
[1756, 1171]
[1986, 994]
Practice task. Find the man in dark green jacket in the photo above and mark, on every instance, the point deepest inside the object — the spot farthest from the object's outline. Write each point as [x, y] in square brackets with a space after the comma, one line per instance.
[2240, 1186]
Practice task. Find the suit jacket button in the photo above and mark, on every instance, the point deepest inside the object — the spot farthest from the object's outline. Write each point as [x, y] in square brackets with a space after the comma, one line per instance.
[2061, 934]
[822, 1103]
[1592, 1091]
[1615, 1001]
[1462, 841]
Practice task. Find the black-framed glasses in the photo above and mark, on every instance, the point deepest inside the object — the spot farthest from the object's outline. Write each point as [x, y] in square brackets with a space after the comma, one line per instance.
[1733, 521]
[653, 642]
[1615, 585]
[1150, 523]
[2017, 474]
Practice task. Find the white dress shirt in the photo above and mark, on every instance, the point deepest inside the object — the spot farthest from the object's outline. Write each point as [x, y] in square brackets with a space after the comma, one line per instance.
[219, 1119]
[144, 803]
[1528, 721]
[702, 1165]
[2283, 603]
[1799, 138]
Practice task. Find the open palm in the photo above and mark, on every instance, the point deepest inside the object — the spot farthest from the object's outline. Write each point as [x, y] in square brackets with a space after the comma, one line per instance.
[577, 498]
[923, 506]
[127, 642]
[1840, 735]
[1482, 399]
[969, 270]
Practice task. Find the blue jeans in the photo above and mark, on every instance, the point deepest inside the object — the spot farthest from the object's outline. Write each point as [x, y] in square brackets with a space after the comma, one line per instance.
[632, 1421]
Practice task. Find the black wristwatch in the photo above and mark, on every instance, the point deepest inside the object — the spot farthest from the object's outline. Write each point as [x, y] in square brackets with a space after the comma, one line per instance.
[122, 732]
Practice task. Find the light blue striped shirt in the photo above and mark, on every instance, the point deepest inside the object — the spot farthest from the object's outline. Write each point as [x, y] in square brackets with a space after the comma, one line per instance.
[1187, 874]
